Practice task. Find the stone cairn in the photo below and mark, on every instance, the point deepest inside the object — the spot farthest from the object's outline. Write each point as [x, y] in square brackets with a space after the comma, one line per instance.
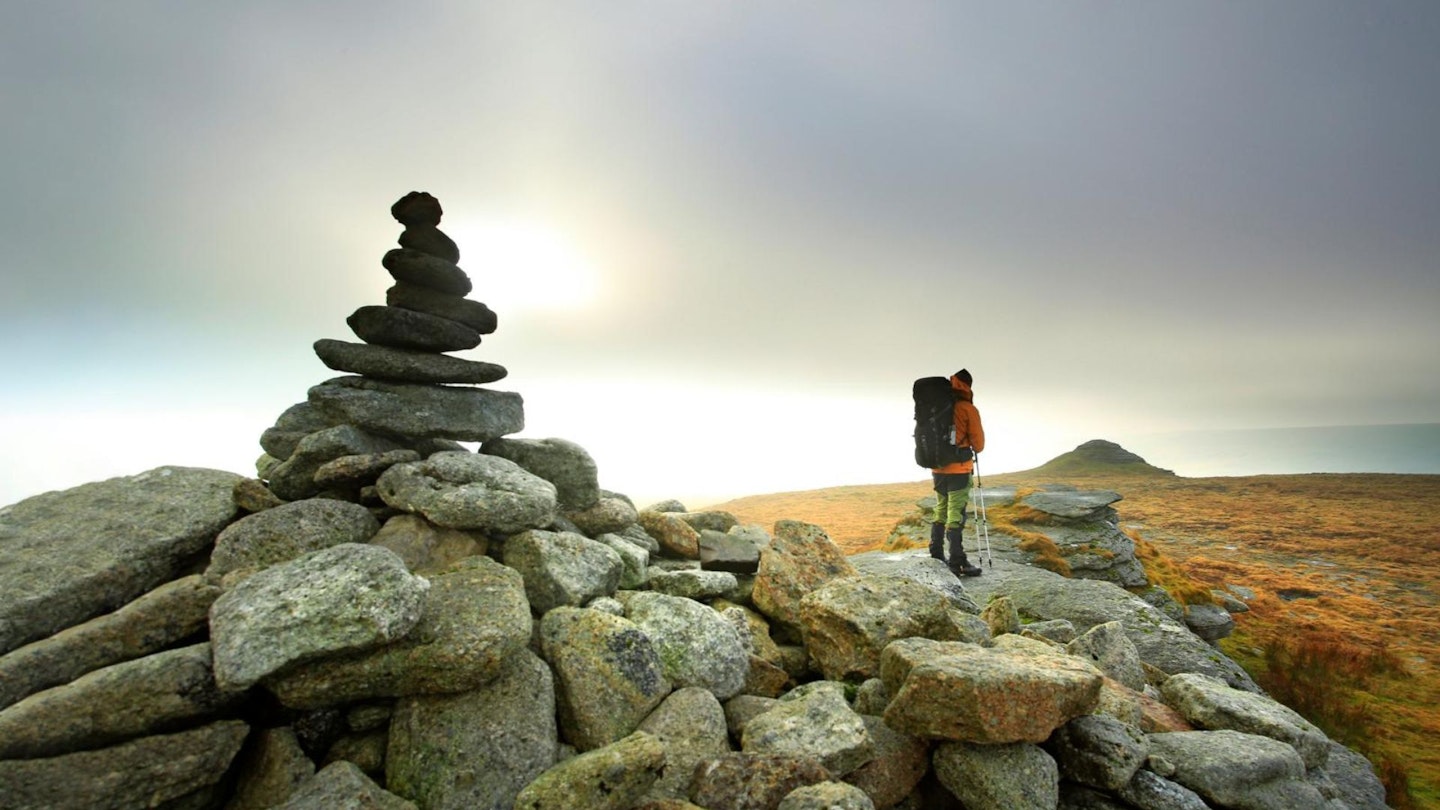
[409, 398]
[386, 619]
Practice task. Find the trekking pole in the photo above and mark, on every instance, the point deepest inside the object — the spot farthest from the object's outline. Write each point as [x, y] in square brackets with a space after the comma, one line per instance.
[982, 524]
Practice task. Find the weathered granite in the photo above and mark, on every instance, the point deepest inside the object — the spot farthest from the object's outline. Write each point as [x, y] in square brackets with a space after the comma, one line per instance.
[68, 556]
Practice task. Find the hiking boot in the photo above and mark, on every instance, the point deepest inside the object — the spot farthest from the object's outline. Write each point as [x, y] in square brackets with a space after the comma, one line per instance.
[959, 565]
[964, 568]
[937, 541]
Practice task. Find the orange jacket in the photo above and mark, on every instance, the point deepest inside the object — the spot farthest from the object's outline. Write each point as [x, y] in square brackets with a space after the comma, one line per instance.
[968, 430]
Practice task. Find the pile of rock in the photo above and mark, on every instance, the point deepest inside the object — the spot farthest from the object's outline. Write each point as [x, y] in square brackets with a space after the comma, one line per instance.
[408, 398]
[386, 619]
[1083, 530]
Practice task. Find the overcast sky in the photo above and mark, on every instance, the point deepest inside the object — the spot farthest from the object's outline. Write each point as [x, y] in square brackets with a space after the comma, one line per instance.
[722, 239]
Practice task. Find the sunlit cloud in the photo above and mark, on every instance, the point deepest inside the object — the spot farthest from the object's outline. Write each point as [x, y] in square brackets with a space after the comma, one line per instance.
[520, 265]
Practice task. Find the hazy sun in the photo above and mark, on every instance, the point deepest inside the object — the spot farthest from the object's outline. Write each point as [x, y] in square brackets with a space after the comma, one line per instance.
[522, 265]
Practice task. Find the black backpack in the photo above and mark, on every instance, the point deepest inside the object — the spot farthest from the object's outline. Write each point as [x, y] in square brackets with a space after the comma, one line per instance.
[935, 424]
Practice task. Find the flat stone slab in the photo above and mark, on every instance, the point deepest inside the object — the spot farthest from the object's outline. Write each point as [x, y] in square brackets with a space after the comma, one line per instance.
[159, 692]
[171, 612]
[1070, 504]
[141, 773]
[68, 556]
[417, 411]
[424, 270]
[407, 329]
[404, 365]
[473, 314]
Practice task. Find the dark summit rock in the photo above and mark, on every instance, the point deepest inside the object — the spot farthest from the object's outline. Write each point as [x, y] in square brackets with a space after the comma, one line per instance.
[415, 267]
[473, 314]
[431, 240]
[404, 365]
[417, 208]
[407, 329]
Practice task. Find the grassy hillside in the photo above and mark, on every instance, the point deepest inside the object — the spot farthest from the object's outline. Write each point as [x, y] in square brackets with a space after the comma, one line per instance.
[1345, 622]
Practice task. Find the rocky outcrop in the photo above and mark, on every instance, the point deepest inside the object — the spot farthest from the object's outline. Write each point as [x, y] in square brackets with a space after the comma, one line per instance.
[394, 620]
[1067, 530]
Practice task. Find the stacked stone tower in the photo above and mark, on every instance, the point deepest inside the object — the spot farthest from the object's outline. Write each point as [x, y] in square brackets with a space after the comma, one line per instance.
[405, 397]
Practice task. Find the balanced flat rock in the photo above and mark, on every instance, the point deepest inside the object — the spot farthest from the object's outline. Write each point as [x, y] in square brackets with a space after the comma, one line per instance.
[418, 411]
[68, 556]
[473, 314]
[407, 329]
[414, 267]
[404, 365]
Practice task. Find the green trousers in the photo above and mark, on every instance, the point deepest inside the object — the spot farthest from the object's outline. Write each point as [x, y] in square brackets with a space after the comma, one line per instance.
[952, 495]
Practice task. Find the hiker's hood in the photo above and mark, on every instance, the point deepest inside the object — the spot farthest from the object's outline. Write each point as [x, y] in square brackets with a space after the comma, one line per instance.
[962, 388]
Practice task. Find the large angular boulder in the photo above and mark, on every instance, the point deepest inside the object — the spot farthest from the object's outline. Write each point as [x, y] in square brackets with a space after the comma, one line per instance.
[475, 618]
[563, 463]
[1012, 776]
[120, 702]
[960, 691]
[747, 781]
[694, 584]
[563, 568]
[294, 478]
[427, 548]
[608, 676]
[157, 620]
[337, 600]
[419, 411]
[134, 775]
[348, 474]
[609, 515]
[69, 556]
[726, 551]
[285, 532]
[675, 536]
[919, 566]
[698, 646]
[1099, 751]
[799, 559]
[1211, 704]
[342, 786]
[479, 748]
[1233, 769]
[818, 724]
[614, 777]
[898, 763]
[847, 622]
[827, 796]
[269, 769]
[1109, 648]
[461, 490]
[690, 726]
[634, 558]
[1210, 622]
[298, 421]
[1162, 642]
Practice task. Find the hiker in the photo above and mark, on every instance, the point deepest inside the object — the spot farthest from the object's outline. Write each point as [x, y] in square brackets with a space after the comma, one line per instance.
[952, 481]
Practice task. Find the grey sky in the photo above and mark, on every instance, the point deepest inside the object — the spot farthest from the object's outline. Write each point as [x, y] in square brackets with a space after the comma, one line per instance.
[1122, 216]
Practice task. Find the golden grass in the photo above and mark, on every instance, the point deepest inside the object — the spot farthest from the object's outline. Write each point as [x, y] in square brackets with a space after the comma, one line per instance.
[1345, 622]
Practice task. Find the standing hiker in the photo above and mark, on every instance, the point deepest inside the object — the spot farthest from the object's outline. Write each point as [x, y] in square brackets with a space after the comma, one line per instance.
[952, 481]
